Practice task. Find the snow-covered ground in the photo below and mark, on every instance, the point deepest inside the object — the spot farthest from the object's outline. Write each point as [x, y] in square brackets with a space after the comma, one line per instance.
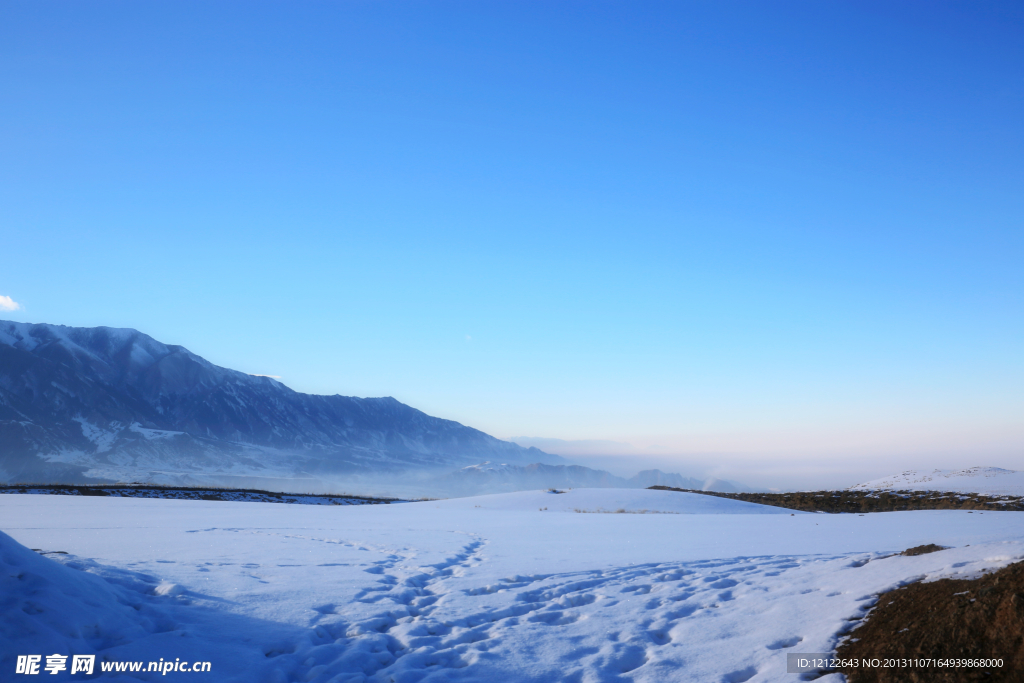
[634, 501]
[992, 481]
[492, 588]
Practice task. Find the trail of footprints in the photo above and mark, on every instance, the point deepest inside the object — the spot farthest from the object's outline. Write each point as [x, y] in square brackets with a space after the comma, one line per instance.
[407, 638]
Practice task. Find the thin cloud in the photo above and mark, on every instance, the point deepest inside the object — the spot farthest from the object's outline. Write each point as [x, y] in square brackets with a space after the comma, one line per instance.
[9, 304]
[270, 376]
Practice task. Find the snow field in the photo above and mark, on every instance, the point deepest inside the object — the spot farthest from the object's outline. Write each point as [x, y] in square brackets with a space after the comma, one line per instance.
[446, 591]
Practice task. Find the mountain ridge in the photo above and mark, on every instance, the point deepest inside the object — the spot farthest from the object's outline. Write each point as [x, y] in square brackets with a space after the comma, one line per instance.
[104, 403]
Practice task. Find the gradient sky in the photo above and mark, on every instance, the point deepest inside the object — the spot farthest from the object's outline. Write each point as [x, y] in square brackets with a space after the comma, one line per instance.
[763, 230]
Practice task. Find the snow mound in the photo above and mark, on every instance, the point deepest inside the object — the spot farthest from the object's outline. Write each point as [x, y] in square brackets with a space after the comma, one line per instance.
[58, 603]
[640, 501]
[47, 607]
[983, 480]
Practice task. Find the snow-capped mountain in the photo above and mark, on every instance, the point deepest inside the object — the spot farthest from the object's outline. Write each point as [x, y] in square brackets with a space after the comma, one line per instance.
[116, 404]
[984, 480]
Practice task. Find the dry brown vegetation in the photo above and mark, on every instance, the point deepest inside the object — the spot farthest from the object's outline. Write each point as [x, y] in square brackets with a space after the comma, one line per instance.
[949, 618]
[869, 501]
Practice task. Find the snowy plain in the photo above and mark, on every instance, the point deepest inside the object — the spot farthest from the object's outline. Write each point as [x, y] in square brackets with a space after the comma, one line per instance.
[492, 588]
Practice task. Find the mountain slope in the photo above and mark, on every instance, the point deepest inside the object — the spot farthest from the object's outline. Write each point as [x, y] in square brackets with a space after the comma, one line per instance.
[117, 404]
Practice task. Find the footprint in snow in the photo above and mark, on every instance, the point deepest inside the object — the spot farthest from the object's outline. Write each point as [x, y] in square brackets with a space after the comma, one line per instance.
[740, 676]
[785, 643]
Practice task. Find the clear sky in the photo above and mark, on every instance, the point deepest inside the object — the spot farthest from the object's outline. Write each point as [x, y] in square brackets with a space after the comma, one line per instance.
[761, 230]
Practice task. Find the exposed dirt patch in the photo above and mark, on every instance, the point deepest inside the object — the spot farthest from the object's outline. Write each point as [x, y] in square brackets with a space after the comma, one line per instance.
[870, 501]
[959, 619]
[922, 550]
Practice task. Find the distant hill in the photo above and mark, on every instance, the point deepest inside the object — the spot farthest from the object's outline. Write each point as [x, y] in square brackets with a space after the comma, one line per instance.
[984, 480]
[503, 478]
[106, 404]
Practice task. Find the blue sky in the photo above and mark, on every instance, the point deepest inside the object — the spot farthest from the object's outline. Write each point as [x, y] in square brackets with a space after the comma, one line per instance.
[776, 230]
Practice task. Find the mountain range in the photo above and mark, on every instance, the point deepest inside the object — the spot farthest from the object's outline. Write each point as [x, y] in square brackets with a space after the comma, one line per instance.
[117, 405]
[104, 405]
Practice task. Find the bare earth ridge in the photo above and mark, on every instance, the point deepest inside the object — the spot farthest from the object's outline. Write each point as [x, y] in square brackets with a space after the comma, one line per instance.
[870, 501]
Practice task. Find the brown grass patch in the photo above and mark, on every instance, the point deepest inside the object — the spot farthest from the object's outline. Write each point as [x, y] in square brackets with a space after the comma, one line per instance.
[869, 501]
[949, 618]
